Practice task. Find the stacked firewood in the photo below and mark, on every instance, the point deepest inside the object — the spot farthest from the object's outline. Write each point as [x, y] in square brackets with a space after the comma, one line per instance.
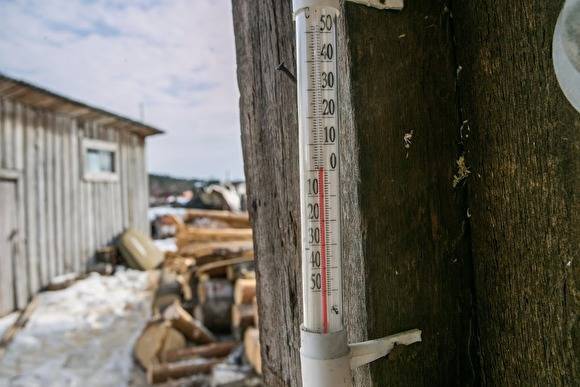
[205, 304]
[245, 320]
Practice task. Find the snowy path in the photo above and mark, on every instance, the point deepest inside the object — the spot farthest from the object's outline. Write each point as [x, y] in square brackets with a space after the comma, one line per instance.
[82, 335]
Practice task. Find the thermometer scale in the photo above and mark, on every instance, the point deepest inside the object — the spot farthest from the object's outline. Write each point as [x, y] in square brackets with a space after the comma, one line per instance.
[319, 170]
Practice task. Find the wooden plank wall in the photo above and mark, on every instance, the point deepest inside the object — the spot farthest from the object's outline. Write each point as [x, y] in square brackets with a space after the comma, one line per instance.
[7, 225]
[63, 219]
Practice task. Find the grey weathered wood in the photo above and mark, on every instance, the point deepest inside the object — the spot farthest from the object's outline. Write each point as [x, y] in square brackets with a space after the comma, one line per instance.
[8, 224]
[124, 179]
[49, 204]
[76, 211]
[41, 212]
[58, 195]
[143, 199]
[30, 201]
[264, 38]
[67, 216]
[83, 215]
[118, 192]
[8, 132]
[21, 263]
[18, 137]
[90, 220]
[523, 151]
[354, 282]
[131, 181]
[62, 218]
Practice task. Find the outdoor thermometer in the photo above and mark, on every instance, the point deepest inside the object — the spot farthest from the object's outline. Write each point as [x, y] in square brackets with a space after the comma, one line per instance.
[326, 356]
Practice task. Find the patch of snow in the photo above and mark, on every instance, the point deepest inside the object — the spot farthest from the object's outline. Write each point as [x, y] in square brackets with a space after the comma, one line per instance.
[167, 244]
[154, 212]
[7, 321]
[82, 335]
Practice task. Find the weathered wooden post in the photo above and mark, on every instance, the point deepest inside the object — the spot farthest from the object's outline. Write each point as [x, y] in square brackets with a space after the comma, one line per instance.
[459, 190]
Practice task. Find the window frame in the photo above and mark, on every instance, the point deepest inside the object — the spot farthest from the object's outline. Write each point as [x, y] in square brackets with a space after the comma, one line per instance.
[100, 145]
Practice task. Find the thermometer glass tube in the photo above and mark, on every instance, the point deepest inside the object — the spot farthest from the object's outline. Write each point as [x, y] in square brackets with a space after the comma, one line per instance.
[319, 168]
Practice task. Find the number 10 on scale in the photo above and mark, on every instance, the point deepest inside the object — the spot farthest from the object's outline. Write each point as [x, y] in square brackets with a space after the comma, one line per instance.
[319, 169]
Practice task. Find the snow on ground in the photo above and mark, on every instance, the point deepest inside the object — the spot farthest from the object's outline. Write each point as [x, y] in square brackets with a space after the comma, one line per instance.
[167, 244]
[82, 335]
[7, 321]
[154, 212]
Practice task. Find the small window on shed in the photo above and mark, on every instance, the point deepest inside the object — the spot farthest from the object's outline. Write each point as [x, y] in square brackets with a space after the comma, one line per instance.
[100, 160]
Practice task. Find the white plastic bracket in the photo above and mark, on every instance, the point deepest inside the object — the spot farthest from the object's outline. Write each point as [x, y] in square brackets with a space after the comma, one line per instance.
[327, 360]
[368, 351]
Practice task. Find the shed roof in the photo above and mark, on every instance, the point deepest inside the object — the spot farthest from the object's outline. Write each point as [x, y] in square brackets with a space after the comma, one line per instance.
[44, 99]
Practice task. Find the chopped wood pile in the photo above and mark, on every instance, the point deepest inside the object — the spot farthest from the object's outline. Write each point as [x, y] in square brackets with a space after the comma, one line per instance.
[205, 307]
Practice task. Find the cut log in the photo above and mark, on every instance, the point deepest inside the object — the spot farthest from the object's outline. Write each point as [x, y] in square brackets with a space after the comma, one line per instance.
[213, 350]
[224, 249]
[207, 268]
[242, 318]
[244, 291]
[159, 373]
[163, 301]
[20, 322]
[186, 324]
[252, 348]
[174, 341]
[217, 272]
[153, 279]
[215, 315]
[235, 220]
[245, 270]
[214, 289]
[197, 234]
[168, 292]
[177, 263]
[184, 281]
[255, 311]
[165, 226]
[156, 338]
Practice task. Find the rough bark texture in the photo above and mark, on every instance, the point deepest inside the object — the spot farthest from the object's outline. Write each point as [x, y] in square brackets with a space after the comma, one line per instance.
[415, 241]
[523, 152]
[354, 278]
[264, 39]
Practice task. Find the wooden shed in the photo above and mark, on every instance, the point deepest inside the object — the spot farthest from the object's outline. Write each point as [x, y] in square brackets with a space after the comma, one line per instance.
[72, 177]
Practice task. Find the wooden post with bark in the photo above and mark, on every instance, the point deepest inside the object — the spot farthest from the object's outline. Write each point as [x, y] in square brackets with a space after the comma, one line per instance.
[524, 157]
[459, 162]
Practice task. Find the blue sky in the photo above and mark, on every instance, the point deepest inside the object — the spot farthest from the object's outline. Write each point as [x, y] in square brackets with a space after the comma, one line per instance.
[176, 57]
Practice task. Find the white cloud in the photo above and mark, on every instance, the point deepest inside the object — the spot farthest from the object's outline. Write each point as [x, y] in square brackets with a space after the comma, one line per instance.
[177, 57]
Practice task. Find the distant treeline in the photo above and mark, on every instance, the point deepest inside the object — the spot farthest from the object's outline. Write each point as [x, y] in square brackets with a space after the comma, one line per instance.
[162, 186]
